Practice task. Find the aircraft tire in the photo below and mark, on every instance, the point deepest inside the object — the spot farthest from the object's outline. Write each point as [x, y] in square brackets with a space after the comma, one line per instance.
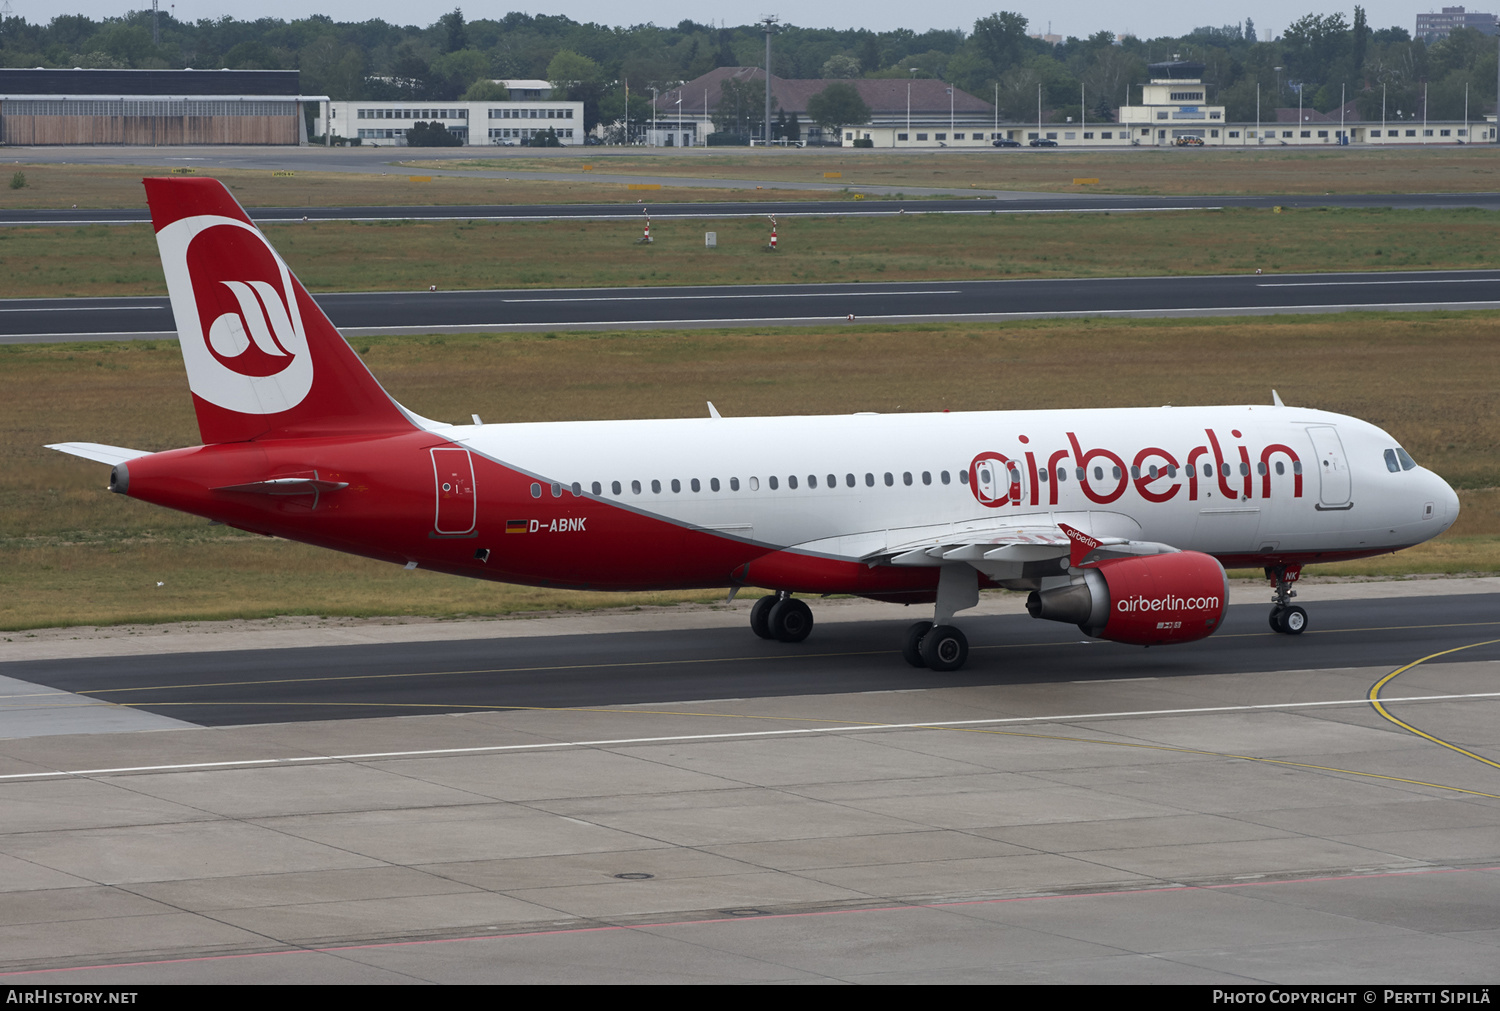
[790, 620]
[944, 648]
[1294, 620]
[911, 645]
[760, 616]
[1276, 615]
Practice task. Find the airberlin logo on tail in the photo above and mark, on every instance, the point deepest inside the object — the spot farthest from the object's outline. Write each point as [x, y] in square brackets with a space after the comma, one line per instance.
[237, 315]
[260, 322]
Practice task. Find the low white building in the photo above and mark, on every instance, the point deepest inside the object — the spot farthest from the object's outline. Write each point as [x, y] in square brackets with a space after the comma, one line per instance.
[1173, 105]
[474, 123]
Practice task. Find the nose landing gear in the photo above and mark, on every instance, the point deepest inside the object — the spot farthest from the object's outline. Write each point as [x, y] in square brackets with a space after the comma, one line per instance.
[1286, 618]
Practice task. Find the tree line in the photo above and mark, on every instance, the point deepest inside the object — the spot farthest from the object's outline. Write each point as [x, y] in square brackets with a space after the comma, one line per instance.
[1318, 56]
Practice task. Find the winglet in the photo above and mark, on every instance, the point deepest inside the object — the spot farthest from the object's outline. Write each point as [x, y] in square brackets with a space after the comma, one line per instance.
[713, 412]
[1276, 399]
[1082, 544]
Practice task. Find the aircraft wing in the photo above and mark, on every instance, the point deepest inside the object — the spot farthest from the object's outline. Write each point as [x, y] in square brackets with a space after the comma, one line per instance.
[1004, 545]
[998, 542]
[98, 452]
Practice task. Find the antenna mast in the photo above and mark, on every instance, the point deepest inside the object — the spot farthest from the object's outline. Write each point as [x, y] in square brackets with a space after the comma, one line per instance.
[768, 25]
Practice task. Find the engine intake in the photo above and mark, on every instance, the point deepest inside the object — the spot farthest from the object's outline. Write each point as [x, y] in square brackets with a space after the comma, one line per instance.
[1144, 601]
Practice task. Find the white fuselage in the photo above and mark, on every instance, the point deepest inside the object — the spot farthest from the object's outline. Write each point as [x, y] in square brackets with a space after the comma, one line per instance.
[1226, 478]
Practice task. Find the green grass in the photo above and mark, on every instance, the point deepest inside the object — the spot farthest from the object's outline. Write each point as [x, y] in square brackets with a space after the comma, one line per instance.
[346, 256]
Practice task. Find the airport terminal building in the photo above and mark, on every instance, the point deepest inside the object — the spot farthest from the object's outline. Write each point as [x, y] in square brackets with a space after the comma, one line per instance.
[152, 107]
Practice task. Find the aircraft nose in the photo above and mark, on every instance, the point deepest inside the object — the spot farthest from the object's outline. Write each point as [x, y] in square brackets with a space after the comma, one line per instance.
[1446, 502]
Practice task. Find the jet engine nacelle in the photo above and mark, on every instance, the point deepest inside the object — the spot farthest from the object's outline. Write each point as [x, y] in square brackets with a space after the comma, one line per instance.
[1143, 601]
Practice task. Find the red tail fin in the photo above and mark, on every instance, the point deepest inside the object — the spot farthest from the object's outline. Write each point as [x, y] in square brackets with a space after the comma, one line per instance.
[262, 359]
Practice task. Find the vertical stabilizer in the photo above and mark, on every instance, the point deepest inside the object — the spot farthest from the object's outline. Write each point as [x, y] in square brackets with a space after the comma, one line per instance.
[262, 359]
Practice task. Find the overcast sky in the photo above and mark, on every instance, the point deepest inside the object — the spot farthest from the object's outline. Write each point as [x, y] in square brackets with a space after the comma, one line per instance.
[1083, 17]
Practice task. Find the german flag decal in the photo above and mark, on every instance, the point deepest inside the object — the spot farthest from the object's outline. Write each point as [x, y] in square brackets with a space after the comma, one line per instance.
[516, 526]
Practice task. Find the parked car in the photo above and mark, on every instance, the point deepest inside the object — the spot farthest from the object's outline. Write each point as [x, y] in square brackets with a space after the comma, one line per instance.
[1043, 142]
[1002, 142]
[1189, 141]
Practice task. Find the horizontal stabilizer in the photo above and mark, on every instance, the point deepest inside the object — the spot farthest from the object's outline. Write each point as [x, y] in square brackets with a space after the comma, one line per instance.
[98, 452]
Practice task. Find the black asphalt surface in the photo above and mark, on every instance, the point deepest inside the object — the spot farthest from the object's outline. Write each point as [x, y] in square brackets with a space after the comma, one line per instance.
[350, 682]
[1003, 204]
[23, 320]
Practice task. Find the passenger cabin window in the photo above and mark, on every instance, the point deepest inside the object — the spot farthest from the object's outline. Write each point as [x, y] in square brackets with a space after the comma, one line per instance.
[635, 487]
[772, 481]
[655, 486]
[615, 487]
[597, 488]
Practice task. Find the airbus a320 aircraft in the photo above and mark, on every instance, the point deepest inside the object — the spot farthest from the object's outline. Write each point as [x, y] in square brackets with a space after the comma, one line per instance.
[1120, 521]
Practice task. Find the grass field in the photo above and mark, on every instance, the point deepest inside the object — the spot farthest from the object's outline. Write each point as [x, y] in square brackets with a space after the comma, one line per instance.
[71, 553]
[351, 256]
[1144, 170]
[105, 186]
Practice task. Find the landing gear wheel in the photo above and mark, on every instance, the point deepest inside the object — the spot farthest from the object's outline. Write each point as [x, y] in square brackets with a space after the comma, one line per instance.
[790, 620]
[1276, 615]
[1294, 620]
[911, 646]
[760, 617]
[944, 648]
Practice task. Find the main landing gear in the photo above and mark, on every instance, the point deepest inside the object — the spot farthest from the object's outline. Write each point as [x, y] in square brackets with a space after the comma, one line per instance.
[1286, 617]
[781, 617]
[935, 645]
[938, 645]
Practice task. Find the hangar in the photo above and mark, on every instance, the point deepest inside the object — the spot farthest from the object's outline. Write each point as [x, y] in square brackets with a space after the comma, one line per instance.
[152, 107]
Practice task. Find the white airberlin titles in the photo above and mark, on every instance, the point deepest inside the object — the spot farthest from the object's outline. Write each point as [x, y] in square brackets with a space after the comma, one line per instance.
[1119, 521]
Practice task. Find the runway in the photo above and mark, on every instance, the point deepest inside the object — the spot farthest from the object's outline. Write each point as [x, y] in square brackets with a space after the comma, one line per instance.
[650, 667]
[989, 203]
[373, 313]
[681, 802]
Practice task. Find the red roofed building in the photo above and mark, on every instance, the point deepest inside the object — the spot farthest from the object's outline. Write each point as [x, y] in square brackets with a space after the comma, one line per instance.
[903, 113]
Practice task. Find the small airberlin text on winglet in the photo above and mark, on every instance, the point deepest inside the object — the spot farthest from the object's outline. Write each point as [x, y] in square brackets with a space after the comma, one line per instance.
[1082, 544]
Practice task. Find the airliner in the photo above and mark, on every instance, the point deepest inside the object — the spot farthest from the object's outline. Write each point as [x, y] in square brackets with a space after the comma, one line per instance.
[1118, 521]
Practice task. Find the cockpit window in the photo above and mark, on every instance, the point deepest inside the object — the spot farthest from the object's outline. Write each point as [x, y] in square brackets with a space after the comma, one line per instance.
[1407, 463]
[1390, 462]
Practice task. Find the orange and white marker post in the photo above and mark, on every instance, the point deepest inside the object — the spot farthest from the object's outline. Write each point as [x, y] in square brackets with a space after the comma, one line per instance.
[646, 238]
[773, 232]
